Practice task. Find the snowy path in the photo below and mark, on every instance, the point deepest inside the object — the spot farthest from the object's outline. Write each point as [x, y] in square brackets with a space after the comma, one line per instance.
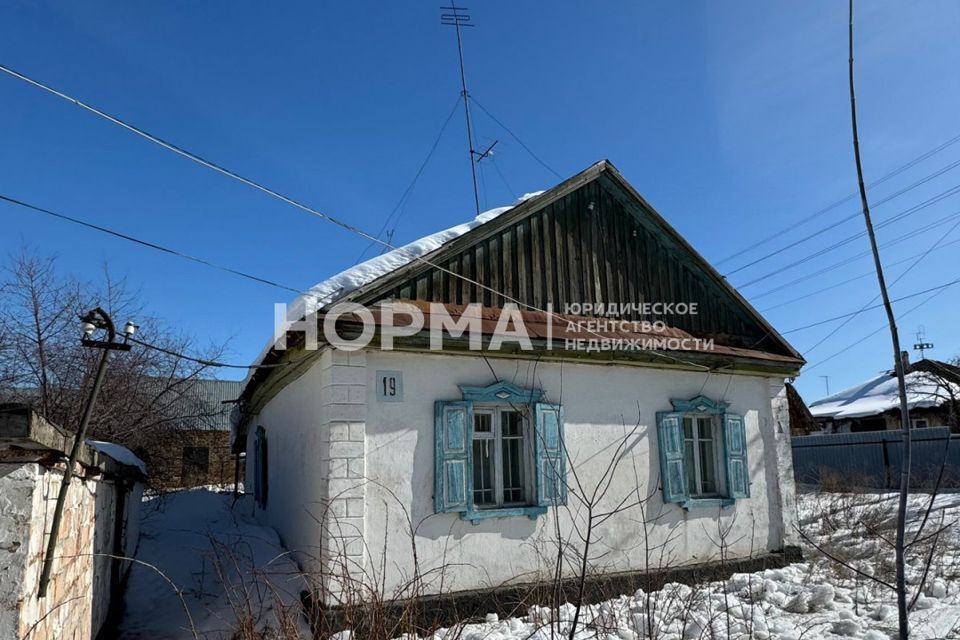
[220, 559]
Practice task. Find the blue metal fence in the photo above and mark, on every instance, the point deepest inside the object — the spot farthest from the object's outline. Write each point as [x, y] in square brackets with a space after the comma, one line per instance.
[873, 460]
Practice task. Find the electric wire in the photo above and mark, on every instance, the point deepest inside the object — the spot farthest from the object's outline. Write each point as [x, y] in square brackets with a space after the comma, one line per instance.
[897, 171]
[849, 280]
[918, 260]
[295, 203]
[151, 245]
[836, 265]
[847, 218]
[884, 327]
[888, 221]
[876, 306]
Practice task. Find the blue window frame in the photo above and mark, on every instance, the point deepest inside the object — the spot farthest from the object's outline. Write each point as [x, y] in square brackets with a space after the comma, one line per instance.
[499, 453]
[703, 454]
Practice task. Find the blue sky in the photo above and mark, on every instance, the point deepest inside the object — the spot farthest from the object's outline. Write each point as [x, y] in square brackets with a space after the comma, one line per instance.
[732, 118]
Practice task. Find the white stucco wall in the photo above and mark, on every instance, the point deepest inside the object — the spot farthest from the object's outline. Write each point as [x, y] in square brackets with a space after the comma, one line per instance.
[601, 402]
[315, 434]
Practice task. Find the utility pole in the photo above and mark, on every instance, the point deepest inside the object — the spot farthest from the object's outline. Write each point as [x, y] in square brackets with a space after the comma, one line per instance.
[901, 583]
[93, 320]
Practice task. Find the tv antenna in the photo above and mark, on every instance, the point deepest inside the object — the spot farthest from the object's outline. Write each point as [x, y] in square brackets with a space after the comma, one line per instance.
[921, 343]
[457, 18]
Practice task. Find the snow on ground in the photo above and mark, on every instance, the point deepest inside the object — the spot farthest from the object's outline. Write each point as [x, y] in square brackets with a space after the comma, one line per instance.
[230, 570]
[818, 598]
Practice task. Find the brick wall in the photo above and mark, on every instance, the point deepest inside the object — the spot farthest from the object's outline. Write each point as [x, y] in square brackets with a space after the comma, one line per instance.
[343, 422]
[165, 457]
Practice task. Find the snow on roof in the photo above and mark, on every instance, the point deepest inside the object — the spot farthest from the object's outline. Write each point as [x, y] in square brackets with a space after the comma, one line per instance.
[345, 282]
[880, 394]
[119, 453]
[335, 288]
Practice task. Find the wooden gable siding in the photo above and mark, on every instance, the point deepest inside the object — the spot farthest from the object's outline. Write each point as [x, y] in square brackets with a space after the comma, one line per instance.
[595, 244]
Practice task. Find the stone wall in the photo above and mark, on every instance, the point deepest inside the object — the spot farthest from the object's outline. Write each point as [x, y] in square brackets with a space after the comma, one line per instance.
[78, 597]
[100, 521]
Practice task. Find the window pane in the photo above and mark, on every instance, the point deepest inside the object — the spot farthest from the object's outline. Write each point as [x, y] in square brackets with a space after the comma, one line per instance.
[513, 481]
[482, 423]
[708, 473]
[483, 473]
[688, 428]
[690, 463]
[512, 424]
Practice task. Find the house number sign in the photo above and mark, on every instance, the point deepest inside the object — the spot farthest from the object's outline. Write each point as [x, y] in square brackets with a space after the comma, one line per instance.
[390, 386]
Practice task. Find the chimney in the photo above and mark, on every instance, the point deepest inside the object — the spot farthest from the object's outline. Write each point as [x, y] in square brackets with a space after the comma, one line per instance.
[905, 360]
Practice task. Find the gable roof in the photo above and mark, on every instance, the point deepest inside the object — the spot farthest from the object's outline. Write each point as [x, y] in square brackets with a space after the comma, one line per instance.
[930, 383]
[601, 190]
[591, 238]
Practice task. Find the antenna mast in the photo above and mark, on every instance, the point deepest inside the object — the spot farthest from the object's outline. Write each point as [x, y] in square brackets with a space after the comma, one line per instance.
[922, 345]
[457, 19]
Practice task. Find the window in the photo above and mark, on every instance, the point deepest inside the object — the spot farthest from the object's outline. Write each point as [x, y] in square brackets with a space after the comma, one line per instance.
[702, 451]
[703, 454]
[195, 465]
[501, 442]
[921, 423]
[499, 452]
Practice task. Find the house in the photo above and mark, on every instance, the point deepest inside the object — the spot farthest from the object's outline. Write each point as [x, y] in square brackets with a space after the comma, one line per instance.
[933, 397]
[193, 447]
[182, 430]
[460, 468]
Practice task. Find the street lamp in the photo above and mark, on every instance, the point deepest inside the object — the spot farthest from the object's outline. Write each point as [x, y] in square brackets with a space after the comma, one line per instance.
[90, 322]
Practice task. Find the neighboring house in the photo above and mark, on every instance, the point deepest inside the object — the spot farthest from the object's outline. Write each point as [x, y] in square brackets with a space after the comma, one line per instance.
[196, 450]
[185, 431]
[933, 397]
[483, 458]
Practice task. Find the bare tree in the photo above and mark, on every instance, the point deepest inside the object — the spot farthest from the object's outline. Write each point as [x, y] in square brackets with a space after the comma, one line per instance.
[148, 393]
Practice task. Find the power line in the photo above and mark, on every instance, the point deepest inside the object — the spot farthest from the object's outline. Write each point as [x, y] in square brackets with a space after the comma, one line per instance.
[299, 205]
[895, 281]
[849, 280]
[857, 256]
[903, 214]
[873, 333]
[876, 306]
[151, 245]
[831, 207]
[215, 363]
[847, 218]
